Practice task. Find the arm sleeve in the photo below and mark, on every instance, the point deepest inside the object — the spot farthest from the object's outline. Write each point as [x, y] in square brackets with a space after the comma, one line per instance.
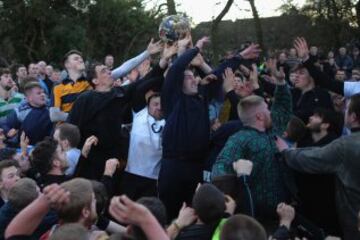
[325, 159]
[130, 64]
[139, 101]
[172, 86]
[56, 97]
[232, 63]
[281, 110]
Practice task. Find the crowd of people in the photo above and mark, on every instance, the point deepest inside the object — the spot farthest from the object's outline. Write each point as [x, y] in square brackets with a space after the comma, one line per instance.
[170, 146]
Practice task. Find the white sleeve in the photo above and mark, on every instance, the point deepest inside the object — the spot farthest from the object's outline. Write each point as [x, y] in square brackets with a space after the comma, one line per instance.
[351, 88]
[129, 65]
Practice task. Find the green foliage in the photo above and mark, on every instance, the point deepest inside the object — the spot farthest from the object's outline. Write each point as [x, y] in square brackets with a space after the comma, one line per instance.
[31, 30]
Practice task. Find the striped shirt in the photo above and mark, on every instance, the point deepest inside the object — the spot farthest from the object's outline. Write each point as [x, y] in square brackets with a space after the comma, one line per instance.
[65, 94]
[7, 106]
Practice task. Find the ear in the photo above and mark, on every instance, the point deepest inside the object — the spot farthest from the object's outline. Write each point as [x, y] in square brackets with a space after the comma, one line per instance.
[66, 143]
[259, 116]
[95, 81]
[85, 212]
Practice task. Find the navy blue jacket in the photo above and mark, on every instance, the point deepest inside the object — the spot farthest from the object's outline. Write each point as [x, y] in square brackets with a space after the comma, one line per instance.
[35, 122]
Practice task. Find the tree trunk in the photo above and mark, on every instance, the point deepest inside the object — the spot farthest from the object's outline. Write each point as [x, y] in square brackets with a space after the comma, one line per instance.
[357, 8]
[214, 30]
[257, 23]
[171, 7]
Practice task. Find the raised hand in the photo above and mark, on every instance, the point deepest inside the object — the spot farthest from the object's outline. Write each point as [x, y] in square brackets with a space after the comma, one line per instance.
[186, 216]
[254, 77]
[110, 166]
[208, 79]
[154, 47]
[230, 204]
[279, 75]
[127, 211]
[197, 61]
[185, 42]
[229, 80]
[90, 141]
[201, 42]
[251, 52]
[302, 48]
[286, 214]
[243, 167]
[24, 143]
[56, 195]
[169, 51]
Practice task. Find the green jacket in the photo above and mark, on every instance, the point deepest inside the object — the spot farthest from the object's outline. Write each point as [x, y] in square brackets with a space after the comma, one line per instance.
[266, 180]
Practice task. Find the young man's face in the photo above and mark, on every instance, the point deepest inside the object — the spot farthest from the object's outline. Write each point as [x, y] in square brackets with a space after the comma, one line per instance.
[33, 70]
[315, 122]
[340, 76]
[49, 70]
[155, 108]
[9, 177]
[6, 81]
[109, 61]
[103, 76]
[36, 97]
[190, 85]
[75, 62]
[302, 79]
[21, 72]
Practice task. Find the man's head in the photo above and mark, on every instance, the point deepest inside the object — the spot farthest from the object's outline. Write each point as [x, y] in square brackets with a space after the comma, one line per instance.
[154, 106]
[253, 111]
[242, 87]
[326, 121]
[21, 72]
[33, 70]
[209, 204]
[313, 50]
[42, 67]
[99, 76]
[190, 84]
[9, 175]
[82, 205]
[109, 61]
[23, 193]
[55, 75]
[6, 81]
[355, 74]
[282, 57]
[242, 227]
[303, 80]
[355, 51]
[340, 75]
[156, 208]
[48, 158]
[67, 135]
[295, 129]
[352, 113]
[35, 94]
[292, 53]
[73, 61]
[49, 70]
[342, 51]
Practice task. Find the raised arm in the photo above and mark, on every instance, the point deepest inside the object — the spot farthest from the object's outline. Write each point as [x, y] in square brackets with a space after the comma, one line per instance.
[174, 79]
[130, 64]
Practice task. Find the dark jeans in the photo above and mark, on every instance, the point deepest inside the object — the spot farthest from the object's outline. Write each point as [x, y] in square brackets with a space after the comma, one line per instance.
[177, 183]
[135, 186]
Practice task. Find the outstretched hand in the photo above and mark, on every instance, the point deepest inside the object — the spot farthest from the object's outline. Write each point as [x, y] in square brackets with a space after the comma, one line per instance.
[202, 41]
[279, 75]
[302, 48]
[251, 52]
[154, 47]
[90, 141]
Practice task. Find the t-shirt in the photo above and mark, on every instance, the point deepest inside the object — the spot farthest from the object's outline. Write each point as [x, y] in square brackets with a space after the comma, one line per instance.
[196, 232]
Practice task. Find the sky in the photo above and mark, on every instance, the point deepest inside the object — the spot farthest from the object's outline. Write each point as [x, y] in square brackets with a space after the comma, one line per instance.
[205, 10]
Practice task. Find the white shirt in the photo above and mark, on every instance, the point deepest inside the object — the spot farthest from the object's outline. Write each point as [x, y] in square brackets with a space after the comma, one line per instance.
[145, 150]
[351, 88]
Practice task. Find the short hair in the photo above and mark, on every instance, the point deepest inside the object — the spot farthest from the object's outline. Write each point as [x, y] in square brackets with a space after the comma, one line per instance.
[154, 95]
[19, 66]
[209, 204]
[70, 231]
[354, 106]
[242, 227]
[91, 72]
[23, 193]
[157, 209]
[81, 195]
[4, 71]
[42, 156]
[296, 129]
[70, 132]
[7, 154]
[29, 85]
[247, 104]
[67, 55]
[7, 164]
